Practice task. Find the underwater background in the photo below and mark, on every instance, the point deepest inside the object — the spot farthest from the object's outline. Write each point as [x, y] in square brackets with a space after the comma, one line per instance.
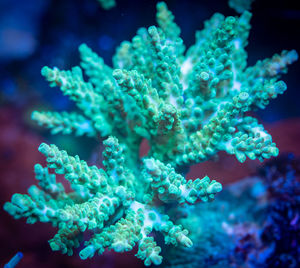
[36, 33]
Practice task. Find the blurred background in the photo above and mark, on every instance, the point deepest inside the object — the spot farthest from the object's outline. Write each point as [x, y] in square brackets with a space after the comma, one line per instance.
[36, 33]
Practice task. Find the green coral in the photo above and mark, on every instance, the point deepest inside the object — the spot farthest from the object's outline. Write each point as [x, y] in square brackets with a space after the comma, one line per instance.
[188, 105]
[240, 5]
[107, 4]
[65, 123]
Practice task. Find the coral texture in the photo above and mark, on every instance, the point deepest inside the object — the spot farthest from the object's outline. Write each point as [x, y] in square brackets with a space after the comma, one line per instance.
[189, 105]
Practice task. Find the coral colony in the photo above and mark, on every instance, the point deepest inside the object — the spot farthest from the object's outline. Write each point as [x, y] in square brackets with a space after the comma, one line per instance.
[188, 104]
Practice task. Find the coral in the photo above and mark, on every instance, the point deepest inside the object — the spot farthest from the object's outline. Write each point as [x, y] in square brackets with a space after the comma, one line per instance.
[252, 223]
[188, 105]
[221, 230]
[107, 4]
[240, 5]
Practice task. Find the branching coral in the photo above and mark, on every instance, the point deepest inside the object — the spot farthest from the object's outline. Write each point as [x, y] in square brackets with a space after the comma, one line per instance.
[188, 105]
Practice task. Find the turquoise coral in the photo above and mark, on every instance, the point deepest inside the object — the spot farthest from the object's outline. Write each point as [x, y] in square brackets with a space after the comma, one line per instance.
[188, 105]
[107, 4]
[240, 5]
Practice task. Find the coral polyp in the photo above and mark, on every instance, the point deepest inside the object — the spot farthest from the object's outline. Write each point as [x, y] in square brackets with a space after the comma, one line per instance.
[189, 104]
